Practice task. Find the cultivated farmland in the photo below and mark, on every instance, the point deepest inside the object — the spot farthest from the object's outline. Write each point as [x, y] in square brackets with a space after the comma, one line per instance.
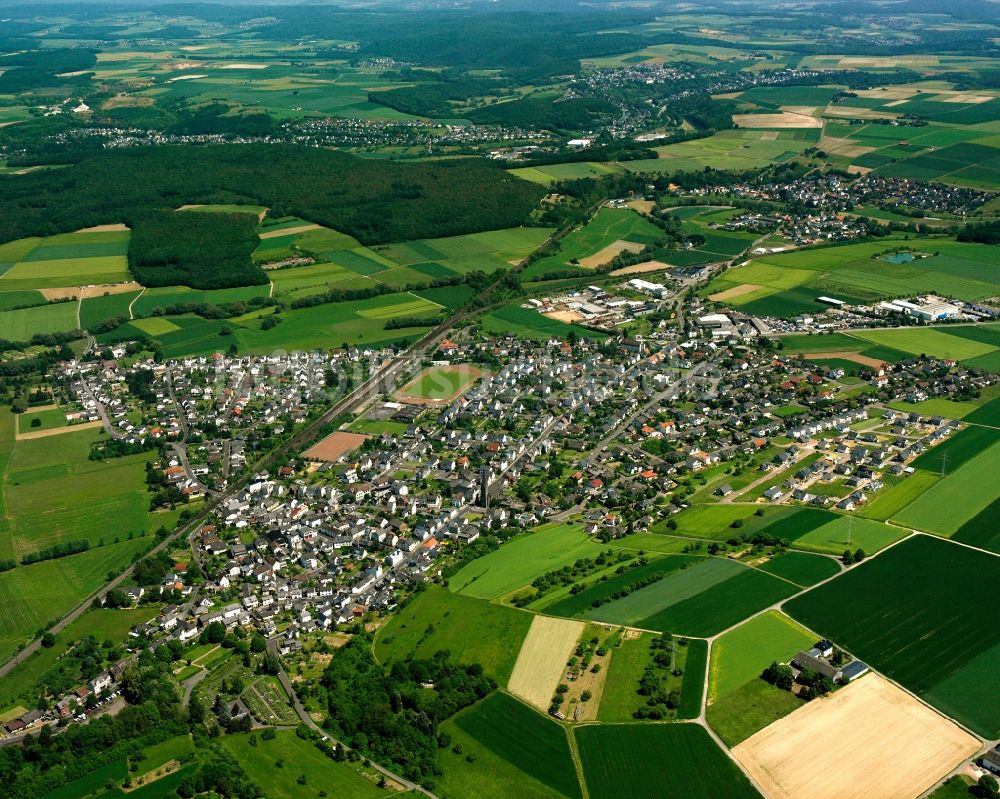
[879, 611]
[951, 502]
[542, 659]
[531, 744]
[636, 761]
[868, 739]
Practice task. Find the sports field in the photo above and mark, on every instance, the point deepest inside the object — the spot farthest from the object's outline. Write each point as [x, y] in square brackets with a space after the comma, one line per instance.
[525, 749]
[519, 561]
[335, 446]
[542, 660]
[907, 612]
[638, 761]
[439, 384]
[472, 630]
[743, 653]
[960, 496]
[867, 739]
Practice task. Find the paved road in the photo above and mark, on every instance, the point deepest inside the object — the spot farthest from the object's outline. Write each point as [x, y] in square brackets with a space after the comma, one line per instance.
[272, 647]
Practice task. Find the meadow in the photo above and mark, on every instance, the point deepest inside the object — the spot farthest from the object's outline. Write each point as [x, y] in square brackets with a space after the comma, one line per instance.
[956, 499]
[529, 744]
[879, 611]
[697, 597]
[743, 653]
[472, 630]
[519, 561]
[635, 761]
[842, 532]
[35, 596]
[22, 323]
[728, 149]
[54, 493]
[749, 709]
[94, 310]
[715, 521]
[302, 758]
[68, 259]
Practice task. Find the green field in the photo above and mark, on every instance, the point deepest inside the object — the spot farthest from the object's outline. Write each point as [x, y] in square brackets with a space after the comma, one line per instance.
[53, 492]
[608, 226]
[163, 297]
[987, 414]
[519, 561]
[715, 521]
[951, 502]
[35, 596]
[91, 783]
[440, 382]
[749, 709]
[907, 612]
[582, 602]
[637, 761]
[69, 259]
[982, 529]
[896, 496]
[342, 780]
[94, 310]
[49, 419]
[742, 654]
[472, 630]
[533, 748]
[801, 568]
[23, 323]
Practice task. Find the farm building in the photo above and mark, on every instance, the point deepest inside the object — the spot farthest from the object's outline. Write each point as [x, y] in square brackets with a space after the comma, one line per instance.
[853, 670]
[811, 660]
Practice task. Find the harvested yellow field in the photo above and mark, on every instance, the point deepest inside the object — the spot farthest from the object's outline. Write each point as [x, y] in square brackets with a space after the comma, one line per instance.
[735, 291]
[611, 251]
[862, 113]
[542, 659]
[639, 269]
[868, 739]
[965, 97]
[786, 119]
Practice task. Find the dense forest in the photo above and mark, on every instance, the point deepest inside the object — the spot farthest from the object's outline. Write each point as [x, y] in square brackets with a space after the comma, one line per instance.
[544, 112]
[394, 716]
[374, 201]
[202, 250]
